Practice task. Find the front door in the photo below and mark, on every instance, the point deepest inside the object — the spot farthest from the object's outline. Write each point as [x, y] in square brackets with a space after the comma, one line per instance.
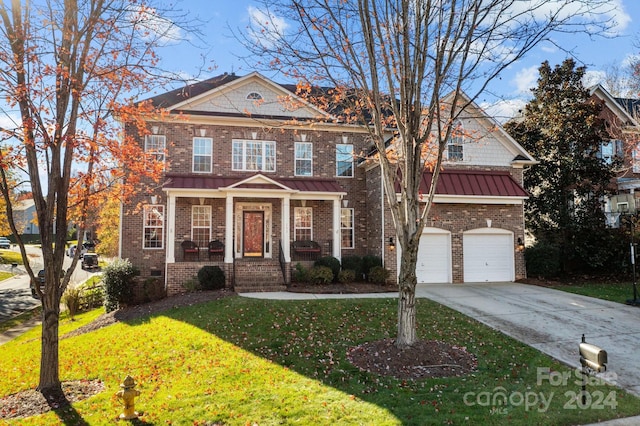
[253, 234]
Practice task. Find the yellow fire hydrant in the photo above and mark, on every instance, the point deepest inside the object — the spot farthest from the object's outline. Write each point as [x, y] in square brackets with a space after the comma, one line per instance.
[128, 394]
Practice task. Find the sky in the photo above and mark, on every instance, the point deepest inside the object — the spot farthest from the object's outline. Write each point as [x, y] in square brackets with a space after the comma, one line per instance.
[503, 98]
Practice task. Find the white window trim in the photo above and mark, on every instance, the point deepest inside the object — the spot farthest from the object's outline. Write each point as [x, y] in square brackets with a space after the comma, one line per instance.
[295, 158]
[193, 155]
[457, 139]
[295, 227]
[636, 159]
[145, 210]
[343, 228]
[207, 208]
[352, 161]
[244, 143]
[254, 96]
[158, 152]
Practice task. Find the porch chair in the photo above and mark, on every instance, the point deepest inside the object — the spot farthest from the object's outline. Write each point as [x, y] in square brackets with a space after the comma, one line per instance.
[216, 248]
[190, 247]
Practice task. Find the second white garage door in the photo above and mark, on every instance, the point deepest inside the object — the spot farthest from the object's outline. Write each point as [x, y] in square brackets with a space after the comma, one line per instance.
[434, 256]
[488, 255]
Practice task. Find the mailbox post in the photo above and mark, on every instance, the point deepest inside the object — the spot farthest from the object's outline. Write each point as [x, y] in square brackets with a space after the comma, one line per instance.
[592, 358]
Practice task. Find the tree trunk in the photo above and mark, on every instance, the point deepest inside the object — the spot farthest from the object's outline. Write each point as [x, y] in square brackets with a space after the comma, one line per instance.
[407, 335]
[50, 385]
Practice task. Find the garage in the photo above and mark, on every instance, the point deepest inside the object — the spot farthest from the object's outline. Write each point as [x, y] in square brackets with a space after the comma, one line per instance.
[488, 255]
[434, 256]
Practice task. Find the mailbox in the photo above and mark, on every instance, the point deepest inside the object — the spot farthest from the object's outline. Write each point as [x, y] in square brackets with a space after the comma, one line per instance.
[593, 357]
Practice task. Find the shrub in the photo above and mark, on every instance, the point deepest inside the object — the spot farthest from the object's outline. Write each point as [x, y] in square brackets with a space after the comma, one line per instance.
[211, 278]
[192, 285]
[353, 263]
[368, 262]
[92, 294]
[331, 263]
[118, 283]
[347, 276]
[378, 275]
[71, 299]
[300, 273]
[543, 260]
[320, 275]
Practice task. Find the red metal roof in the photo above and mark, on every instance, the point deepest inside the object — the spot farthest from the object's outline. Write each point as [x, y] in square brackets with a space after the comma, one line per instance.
[215, 182]
[474, 183]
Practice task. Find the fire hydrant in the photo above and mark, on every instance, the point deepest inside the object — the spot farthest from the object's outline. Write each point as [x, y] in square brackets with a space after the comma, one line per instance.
[128, 394]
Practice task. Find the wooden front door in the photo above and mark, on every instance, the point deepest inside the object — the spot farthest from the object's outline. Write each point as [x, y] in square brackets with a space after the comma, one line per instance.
[253, 234]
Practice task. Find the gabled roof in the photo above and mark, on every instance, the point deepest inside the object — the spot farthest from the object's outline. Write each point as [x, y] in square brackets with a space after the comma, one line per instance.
[625, 109]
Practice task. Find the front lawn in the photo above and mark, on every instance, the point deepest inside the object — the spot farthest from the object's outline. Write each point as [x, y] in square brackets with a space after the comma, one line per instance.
[613, 291]
[238, 361]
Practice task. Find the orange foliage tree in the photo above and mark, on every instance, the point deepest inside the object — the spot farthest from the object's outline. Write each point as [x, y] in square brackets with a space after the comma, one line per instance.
[67, 69]
[407, 68]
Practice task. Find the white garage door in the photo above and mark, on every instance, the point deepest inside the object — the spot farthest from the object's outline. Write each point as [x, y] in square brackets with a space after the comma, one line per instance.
[434, 257]
[488, 255]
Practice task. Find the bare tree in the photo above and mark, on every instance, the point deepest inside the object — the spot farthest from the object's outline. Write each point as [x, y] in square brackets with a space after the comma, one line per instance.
[406, 65]
[67, 69]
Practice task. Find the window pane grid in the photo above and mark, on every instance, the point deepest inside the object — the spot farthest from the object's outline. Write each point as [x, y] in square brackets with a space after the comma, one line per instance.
[346, 228]
[344, 160]
[202, 154]
[303, 223]
[201, 225]
[155, 145]
[153, 226]
[254, 155]
[303, 159]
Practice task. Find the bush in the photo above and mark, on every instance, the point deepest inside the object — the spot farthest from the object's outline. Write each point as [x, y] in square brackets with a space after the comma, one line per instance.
[347, 276]
[211, 278]
[353, 263]
[118, 283]
[192, 285]
[300, 274]
[368, 262]
[92, 294]
[378, 275]
[320, 275]
[71, 299]
[331, 263]
[543, 260]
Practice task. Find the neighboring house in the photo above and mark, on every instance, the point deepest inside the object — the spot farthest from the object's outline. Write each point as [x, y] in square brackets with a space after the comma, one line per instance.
[250, 168]
[24, 215]
[621, 115]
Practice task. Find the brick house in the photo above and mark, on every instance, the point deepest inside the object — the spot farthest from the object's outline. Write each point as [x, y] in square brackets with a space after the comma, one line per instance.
[253, 173]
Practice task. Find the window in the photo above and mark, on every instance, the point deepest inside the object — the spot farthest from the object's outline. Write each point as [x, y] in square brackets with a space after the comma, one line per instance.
[303, 224]
[155, 145]
[636, 159]
[254, 155]
[201, 225]
[153, 226]
[303, 159]
[346, 228]
[455, 149]
[202, 155]
[344, 160]
[254, 96]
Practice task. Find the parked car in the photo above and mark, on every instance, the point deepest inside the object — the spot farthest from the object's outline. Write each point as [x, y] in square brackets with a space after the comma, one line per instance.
[90, 261]
[87, 247]
[71, 251]
[40, 281]
[5, 243]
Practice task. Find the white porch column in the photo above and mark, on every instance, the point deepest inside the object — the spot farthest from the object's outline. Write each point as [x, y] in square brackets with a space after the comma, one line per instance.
[285, 235]
[171, 229]
[228, 230]
[337, 240]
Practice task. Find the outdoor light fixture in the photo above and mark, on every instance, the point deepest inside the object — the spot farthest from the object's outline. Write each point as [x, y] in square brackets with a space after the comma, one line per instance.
[154, 199]
[392, 244]
[520, 244]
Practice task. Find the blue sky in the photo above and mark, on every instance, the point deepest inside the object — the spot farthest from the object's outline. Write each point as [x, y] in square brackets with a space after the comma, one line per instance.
[503, 97]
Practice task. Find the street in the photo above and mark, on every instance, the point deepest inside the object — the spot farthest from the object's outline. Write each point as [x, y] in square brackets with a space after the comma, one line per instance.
[15, 295]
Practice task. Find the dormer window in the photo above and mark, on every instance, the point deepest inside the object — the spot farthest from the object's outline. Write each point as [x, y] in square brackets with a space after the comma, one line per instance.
[254, 96]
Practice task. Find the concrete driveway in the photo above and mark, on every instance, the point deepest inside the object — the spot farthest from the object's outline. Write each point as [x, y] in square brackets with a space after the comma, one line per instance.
[552, 321]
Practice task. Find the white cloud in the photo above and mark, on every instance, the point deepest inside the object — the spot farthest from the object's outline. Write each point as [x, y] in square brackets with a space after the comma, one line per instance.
[155, 26]
[591, 78]
[505, 109]
[265, 27]
[526, 79]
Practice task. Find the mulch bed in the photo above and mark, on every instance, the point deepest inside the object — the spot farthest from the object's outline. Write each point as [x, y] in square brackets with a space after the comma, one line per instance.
[422, 360]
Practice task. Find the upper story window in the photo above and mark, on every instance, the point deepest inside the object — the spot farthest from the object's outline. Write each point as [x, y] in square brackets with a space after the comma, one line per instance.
[611, 149]
[455, 145]
[636, 158]
[155, 145]
[254, 96]
[344, 160]
[202, 155]
[250, 155]
[303, 223]
[153, 226]
[303, 159]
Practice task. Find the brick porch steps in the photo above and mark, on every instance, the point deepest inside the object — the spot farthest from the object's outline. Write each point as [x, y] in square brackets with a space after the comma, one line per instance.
[255, 275]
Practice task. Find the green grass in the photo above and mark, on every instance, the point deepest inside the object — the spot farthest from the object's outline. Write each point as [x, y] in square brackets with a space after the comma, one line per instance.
[9, 256]
[19, 319]
[5, 275]
[239, 361]
[613, 291]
